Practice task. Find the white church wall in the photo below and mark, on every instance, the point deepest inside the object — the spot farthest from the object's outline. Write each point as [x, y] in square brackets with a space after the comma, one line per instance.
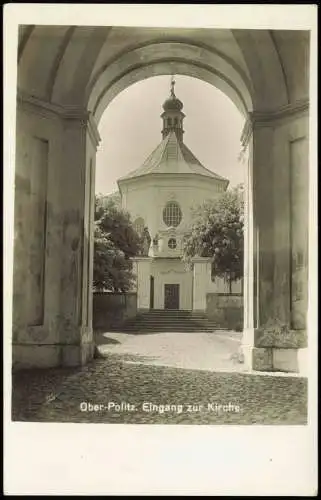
[139, 202]
[147, 197]
[143, 269]
[188, 193]
[199, 283]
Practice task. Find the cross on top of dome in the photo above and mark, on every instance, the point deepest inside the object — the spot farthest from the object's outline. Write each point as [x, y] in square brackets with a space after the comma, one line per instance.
[172, 103]
[172, 86]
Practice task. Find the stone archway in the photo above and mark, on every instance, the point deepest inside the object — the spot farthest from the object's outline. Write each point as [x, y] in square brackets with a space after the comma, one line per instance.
[66, 77]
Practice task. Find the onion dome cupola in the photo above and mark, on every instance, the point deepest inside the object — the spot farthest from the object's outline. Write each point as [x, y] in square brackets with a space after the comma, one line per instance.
[172, 156]
[173, 116]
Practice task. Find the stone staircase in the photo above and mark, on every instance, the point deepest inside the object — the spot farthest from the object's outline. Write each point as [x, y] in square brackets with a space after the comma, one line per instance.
[167, 320]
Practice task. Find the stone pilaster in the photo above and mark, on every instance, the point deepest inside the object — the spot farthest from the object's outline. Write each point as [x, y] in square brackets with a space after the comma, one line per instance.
[38, 233]
[79, 146]
[143, 271]
[269, 341]
[56, 146]
[200, 280]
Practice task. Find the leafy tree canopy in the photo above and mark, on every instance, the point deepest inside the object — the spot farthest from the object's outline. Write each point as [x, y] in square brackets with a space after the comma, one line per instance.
[115, 242]
[217, 232]
[116, 223]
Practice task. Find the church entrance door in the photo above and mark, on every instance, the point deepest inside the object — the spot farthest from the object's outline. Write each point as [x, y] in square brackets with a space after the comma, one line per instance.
[171, 293]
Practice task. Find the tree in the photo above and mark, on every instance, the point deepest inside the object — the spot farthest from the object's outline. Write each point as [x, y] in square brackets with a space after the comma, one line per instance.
[217, 232]
[115, 242]
[116, 222]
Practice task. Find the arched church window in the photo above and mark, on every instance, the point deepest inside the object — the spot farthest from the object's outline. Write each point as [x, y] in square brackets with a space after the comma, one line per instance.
[139, 225]
[172, 214]
[172, 244]
[169, 122]
[175, 122]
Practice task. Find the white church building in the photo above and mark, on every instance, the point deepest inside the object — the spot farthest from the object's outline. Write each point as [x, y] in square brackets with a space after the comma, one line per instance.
[160, 196]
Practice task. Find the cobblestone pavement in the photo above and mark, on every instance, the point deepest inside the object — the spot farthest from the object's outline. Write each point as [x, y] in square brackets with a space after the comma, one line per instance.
[125, 386]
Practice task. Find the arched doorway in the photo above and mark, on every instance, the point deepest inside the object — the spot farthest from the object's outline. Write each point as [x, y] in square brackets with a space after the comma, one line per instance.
[60, 102]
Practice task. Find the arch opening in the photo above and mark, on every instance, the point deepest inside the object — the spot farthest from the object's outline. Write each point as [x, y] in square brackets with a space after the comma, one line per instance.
[159, 68]
[170, 242]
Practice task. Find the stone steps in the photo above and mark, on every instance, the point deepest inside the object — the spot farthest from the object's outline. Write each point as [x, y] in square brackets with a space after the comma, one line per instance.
[167, 321]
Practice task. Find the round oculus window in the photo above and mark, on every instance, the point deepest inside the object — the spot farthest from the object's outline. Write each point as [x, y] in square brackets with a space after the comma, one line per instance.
[172, 214]
[172, 243]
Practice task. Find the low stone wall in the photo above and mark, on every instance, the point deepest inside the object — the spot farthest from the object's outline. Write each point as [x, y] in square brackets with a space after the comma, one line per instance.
[226, 310]
[111, 309]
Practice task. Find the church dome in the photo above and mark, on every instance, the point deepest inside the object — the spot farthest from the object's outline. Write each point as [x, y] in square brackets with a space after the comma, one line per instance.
[172, 156]
[172, 104]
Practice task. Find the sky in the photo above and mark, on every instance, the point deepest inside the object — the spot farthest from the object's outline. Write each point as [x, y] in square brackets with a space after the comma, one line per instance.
[130, 129]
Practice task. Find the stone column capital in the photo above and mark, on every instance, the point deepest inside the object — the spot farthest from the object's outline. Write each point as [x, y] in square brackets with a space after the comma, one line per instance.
[264, 118]
[73, 114]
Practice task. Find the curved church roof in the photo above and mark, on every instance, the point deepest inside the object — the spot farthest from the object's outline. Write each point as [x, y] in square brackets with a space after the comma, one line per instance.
[172, 156]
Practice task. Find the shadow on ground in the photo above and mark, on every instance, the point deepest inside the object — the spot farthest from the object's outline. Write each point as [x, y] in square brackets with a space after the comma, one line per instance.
[101, 338]
[126, 357]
